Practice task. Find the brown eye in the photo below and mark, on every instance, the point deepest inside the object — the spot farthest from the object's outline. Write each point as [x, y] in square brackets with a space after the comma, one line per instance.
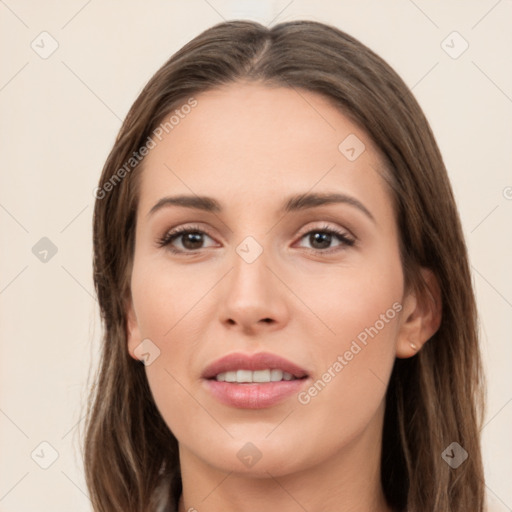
[184, 240]
[322, 239]
[192, 240]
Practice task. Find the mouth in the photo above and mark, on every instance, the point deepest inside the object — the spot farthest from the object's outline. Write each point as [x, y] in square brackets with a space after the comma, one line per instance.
[257, 376]
[253, 381]
[240, 367]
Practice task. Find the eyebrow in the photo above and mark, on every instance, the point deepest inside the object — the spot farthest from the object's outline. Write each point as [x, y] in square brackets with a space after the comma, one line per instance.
[294, 203]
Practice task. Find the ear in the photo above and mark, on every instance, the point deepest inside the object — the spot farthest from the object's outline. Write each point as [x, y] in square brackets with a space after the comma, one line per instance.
[132, 329]
[421, 316]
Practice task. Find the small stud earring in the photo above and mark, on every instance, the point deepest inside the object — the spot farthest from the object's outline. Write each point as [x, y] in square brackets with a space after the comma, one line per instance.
[413, 346]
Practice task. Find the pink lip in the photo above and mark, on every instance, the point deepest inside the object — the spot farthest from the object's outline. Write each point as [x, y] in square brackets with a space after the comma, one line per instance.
[253, 395]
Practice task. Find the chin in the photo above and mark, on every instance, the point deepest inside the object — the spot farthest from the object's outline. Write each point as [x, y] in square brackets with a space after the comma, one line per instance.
[256, 456]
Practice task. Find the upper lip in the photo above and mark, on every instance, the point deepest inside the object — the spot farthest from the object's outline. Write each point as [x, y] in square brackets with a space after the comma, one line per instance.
[259, 361]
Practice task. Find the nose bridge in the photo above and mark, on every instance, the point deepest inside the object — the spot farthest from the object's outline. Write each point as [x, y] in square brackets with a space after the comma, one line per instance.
[250, 276]
[252, 293]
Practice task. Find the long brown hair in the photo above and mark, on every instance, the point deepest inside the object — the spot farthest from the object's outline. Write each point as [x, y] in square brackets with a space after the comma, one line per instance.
[433, 399]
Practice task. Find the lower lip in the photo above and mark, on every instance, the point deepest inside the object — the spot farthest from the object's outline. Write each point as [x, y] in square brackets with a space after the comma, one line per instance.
[253, 395]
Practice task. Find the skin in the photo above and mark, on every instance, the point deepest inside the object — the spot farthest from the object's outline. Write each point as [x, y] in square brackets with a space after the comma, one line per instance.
[250, 146]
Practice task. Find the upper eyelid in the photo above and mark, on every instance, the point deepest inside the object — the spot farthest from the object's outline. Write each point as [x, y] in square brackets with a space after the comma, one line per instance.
[304, 230]
[325, 226]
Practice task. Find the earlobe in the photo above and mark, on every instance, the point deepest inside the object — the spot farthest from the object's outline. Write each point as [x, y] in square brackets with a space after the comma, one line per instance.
[421, 317]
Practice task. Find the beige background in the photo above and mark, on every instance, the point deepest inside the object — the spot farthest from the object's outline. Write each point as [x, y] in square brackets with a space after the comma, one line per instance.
[59, 118]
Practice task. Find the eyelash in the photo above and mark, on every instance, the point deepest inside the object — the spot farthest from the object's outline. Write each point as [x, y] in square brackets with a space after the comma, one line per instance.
[168, 238]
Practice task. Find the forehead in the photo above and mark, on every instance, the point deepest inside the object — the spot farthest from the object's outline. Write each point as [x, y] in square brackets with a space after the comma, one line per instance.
[251, 142]
[256, 117]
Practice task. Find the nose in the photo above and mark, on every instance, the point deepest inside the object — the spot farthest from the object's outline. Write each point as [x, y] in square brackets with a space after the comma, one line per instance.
[253, 298]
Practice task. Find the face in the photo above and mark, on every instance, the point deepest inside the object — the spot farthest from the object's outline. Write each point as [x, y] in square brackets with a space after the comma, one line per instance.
[317, 283]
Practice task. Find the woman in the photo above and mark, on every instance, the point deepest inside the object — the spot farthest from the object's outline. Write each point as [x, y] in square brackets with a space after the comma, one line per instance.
[288, 309]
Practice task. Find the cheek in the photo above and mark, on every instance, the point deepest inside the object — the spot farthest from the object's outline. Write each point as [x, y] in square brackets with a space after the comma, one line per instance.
[352, 300]
[361, 307]
[165, 298]
[169, 306]
[366, 309]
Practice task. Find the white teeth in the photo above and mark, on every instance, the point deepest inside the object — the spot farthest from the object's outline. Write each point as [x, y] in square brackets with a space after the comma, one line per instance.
[276, 375]
[230, 376]
[242, 376]
[261, 376]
